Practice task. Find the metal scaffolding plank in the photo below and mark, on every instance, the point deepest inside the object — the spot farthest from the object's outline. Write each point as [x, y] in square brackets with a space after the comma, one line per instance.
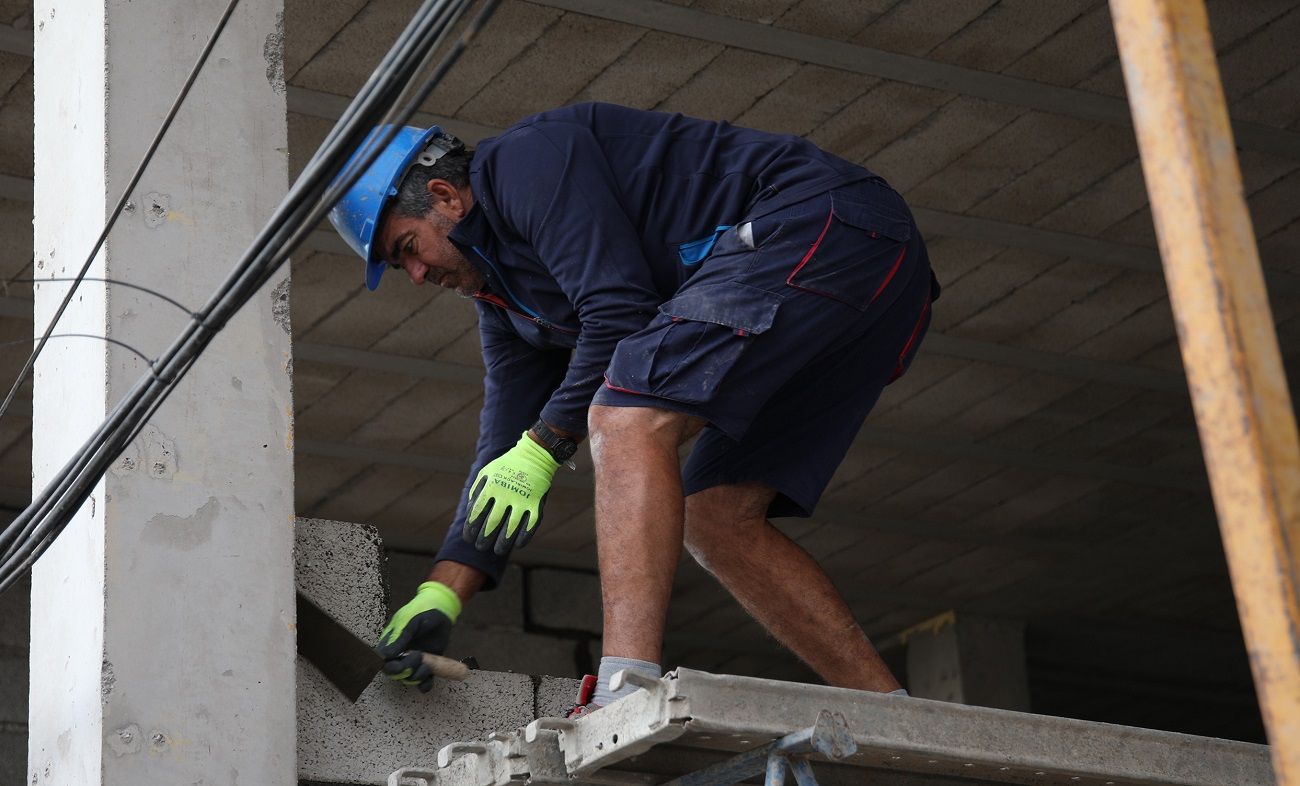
[690, 720]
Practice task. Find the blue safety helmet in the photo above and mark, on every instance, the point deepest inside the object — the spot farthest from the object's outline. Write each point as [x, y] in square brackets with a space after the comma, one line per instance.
[357, 214]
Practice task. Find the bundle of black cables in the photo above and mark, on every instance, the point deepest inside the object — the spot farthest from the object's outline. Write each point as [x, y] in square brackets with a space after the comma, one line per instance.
[380, 101]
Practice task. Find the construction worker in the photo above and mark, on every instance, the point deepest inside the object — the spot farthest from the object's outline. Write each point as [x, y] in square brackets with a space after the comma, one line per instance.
[642, 277]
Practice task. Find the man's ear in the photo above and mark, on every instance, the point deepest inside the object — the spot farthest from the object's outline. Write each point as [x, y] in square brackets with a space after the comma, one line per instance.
[446, 199]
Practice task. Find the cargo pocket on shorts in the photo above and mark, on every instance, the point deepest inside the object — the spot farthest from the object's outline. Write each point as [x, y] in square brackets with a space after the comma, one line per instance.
[860, 248]
[695, 340]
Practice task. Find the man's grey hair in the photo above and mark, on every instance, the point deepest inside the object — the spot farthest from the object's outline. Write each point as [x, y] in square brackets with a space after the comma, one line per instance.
[413, 194]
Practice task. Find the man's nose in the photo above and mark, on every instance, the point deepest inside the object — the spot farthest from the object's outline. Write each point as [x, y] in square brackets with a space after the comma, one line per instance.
[416, 272]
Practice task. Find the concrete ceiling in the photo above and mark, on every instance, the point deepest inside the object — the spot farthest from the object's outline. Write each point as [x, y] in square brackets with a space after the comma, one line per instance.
[1039, 461]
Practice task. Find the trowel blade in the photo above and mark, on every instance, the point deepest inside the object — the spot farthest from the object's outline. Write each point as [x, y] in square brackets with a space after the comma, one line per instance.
[346, 661]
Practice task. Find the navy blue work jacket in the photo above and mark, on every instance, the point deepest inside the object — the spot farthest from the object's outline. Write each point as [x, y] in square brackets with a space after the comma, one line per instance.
[586, 219]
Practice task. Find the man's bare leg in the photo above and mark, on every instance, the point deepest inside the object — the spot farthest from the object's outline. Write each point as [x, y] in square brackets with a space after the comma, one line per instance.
[781, 585]
[639, 517]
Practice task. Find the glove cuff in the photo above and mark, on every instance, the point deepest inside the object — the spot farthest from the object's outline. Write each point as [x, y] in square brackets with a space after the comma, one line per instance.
[538, 454]
[443, 598]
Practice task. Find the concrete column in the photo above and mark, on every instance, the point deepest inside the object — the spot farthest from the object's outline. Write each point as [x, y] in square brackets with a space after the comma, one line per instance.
[969, 660]
[162, 619]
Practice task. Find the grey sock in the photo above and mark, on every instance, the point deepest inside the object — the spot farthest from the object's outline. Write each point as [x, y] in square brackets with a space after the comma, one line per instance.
[610, 666]
[899, 692]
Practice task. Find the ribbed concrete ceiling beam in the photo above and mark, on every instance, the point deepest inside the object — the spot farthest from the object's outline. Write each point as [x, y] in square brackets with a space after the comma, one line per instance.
[1014, 91]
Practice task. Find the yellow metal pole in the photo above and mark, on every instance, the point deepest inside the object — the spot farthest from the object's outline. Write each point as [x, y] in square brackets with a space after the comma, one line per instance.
[1225, 328]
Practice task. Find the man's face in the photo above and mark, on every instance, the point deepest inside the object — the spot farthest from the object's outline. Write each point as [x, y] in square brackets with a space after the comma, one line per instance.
[421, 248]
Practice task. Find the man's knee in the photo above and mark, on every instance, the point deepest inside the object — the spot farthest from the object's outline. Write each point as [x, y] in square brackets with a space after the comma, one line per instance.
[722, 519]
[639, 424]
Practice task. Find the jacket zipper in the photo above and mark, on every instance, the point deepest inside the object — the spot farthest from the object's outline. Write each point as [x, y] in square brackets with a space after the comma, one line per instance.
[519, 308]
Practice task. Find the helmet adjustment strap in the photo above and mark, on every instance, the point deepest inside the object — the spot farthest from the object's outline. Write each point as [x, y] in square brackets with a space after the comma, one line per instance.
[439, 145]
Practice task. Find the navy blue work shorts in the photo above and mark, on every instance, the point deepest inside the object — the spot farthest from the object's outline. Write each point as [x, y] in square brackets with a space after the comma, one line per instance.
[783, 341]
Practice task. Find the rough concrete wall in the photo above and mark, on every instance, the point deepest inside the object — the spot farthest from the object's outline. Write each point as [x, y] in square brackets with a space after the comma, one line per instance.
[338, 567]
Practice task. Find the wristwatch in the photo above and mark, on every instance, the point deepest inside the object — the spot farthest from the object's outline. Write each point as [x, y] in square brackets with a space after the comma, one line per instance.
[560, 448]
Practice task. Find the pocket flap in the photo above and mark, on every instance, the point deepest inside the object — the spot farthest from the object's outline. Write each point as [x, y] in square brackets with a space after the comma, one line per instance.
[886, 216]
[727, 303]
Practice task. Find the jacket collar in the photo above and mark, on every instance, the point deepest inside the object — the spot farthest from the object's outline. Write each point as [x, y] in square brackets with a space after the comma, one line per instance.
[473, 236]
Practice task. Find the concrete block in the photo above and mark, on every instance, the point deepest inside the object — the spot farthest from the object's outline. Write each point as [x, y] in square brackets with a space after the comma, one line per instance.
[805, 100]
[371, 492]
[1107, 202]
[1036, 301]
[564, 599]
[916, 27]
[430, 328]
[938, 403]
[317, 477]
[337, 565]
[418, 520]
[312, 381]
[464, 349]
[1015, 149]
[1104, 307]
[361, 321]
[336, 414]
[1006, 32]
[876, 119]
[1273, 104]
[730, 85]
[460, 430]
[419, 410]
[499, 649]
[1075, 51]
[838, 21]
[990, 282]
[958, 126]
[342, 64]
[1061, 177]
[555, 695]
[512, 29]
[763, 12]
[653, 69]
[1030, 394]
[392, 725]
[309, 25]
[305, 135]
[559, 63]
[1134, 336]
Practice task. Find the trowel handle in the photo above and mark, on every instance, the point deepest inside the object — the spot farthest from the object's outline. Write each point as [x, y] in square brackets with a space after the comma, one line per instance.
[447, 668]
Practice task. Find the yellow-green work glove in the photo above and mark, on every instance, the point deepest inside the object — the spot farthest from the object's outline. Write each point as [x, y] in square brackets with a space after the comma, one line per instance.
[505, 501]
[422, 625]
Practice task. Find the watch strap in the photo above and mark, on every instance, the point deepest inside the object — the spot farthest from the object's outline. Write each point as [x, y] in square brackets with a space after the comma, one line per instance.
[560, 448]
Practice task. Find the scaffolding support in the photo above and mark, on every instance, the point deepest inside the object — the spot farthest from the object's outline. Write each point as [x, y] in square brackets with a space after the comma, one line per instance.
[1225, 328]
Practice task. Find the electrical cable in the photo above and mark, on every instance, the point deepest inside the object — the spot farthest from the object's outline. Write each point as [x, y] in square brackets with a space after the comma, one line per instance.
[121, 202]
[109, 281]
[315, 191]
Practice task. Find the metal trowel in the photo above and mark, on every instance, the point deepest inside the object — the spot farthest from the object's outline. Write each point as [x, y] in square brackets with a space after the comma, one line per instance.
[346, 661]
